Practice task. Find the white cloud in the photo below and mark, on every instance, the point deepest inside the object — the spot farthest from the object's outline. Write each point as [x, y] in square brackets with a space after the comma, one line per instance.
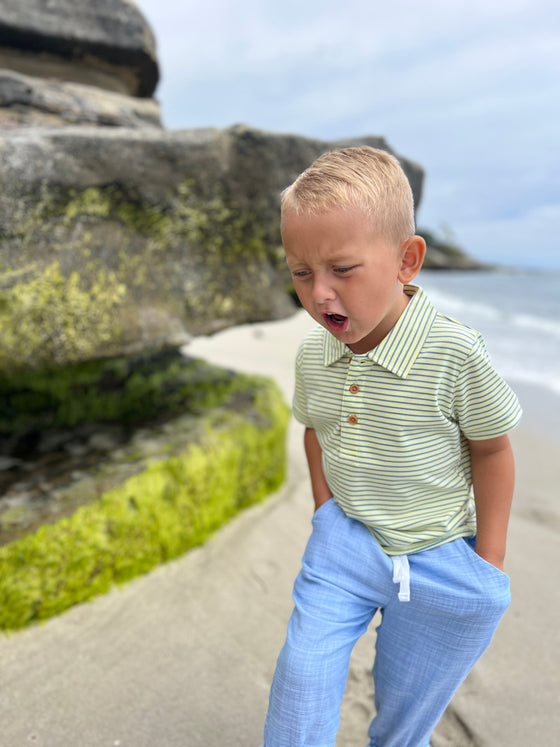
[467, 89]
[529, 239]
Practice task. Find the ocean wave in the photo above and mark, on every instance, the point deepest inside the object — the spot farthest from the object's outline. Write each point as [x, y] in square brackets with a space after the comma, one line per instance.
[518, 316]
[456, 306]
[537, 323]
[550, 382]
[471, 312]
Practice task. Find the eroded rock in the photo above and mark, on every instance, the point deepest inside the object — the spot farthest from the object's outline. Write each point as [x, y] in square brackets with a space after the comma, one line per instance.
[120, 240]
[103, 43]
[27, 101]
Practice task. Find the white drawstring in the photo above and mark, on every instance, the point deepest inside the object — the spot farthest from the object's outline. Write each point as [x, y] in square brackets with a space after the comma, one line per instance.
[401, 576]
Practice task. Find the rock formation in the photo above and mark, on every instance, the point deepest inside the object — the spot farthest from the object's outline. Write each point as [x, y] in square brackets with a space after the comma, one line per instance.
[119, 237]
[102, 43]
[163, 218]
[119, 240]
[29, 101]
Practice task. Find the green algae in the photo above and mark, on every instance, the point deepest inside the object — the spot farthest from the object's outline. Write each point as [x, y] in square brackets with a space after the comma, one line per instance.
[171, 506]
[78, 270]
[58, 318]
[130, 390]
[80, 267]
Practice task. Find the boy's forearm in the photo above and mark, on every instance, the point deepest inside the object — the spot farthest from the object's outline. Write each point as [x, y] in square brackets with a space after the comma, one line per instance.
[493, 479]
[319, 486]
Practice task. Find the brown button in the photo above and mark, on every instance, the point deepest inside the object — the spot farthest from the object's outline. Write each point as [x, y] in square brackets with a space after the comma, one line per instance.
[352, 420]
[354, 389]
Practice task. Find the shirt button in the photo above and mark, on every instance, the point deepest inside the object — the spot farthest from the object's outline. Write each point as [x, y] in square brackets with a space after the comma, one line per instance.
[352, 419]
[354, 389]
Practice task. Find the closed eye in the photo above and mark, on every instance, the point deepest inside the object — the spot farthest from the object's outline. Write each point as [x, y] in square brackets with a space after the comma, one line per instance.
[344, 270]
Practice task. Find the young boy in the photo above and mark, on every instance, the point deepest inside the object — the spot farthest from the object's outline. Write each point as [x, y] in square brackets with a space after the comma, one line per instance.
[403, 417]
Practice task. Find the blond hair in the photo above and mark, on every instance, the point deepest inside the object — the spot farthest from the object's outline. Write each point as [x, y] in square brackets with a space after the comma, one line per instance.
[361, 177]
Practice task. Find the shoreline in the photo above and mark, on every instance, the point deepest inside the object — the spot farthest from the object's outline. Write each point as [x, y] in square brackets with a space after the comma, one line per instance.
[541, 408]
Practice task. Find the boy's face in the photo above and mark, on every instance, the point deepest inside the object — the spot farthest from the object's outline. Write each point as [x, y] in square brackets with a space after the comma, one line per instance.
[347, 277]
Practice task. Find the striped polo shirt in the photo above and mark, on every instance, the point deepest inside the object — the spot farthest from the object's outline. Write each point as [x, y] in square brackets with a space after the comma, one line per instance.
[393, 424]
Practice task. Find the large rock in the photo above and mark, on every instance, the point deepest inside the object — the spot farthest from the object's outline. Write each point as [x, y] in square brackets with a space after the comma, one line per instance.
[27, 101]
[120, 241]
[103, 43]
[120, 238]
[246, 165]
[261, 164]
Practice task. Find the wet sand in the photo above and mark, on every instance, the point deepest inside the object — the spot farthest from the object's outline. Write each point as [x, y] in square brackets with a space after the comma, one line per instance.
[184, 655]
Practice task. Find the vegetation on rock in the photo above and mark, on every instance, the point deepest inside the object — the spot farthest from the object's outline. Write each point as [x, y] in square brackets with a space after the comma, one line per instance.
[130, 391]
[170, 507]
[81, 272]
[94, 267]
[54, 318]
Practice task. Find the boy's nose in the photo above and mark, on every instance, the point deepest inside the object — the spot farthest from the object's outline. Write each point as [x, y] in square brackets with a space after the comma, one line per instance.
[322, 291]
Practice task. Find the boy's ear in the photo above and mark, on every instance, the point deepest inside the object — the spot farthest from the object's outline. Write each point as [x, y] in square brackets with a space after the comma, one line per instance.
[412, 255]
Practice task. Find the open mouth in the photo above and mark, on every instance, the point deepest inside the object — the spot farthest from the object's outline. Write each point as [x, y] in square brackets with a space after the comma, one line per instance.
[336, 322]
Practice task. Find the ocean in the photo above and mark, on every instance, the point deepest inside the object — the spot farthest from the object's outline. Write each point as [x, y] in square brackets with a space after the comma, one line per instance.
[518, 314]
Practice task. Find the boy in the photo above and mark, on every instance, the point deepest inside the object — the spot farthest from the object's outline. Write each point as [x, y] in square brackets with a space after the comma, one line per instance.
[403, 415]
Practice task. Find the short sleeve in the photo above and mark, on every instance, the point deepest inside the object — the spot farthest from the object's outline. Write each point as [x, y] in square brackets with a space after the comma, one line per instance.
[484, 405]
[299, 404]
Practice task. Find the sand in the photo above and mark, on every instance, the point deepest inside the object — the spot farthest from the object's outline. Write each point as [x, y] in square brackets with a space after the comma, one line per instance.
[184, 655]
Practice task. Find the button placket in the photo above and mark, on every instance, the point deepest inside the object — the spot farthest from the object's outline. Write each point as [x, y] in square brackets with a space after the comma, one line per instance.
[352, 389]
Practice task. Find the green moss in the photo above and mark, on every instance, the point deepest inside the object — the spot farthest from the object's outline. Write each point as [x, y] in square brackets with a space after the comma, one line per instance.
[172, 506]
[215, 225]
[57, 318]
[129, 391]
[81, 266]
[92, 202]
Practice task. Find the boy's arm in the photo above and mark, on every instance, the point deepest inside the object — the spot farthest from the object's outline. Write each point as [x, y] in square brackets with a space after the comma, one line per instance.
[493, 478]
[321, 491]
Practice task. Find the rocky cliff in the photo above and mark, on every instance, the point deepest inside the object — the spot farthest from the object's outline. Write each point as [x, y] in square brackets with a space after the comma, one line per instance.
[103, 43]
[118, 241]
[152, 235]
[119, 237]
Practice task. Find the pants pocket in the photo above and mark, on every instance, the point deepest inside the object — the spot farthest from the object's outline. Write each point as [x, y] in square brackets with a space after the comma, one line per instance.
[487, 567]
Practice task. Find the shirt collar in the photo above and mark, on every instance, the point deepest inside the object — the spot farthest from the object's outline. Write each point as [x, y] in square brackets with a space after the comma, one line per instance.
[398, 351]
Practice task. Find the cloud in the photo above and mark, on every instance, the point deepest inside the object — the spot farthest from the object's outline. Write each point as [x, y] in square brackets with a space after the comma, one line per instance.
[467, 89]
[529, 239]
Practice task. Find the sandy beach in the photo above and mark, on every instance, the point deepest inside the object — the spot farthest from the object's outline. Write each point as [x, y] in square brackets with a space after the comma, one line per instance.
[184, 655]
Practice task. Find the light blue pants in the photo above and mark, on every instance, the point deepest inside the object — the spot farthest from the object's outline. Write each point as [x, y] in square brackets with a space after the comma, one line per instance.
[425, 646]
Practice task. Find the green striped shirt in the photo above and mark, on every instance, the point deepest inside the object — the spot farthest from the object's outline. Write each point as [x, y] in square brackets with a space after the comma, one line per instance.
[393, 424]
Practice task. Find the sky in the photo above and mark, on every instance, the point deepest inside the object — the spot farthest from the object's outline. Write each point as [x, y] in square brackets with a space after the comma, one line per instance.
[470, 90]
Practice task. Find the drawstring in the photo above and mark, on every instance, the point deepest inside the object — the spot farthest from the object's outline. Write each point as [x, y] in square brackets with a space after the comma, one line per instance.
[401, 576]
